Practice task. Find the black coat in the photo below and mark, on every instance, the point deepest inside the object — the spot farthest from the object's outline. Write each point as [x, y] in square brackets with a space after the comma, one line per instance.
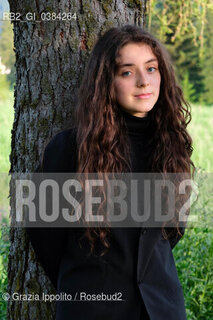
[150, 284]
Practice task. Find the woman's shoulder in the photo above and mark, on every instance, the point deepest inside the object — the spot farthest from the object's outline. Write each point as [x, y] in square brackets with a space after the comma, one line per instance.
[60, 152]
[63, 139]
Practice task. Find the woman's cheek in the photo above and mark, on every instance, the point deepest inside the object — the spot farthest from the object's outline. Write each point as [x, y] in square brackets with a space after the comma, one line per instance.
[120, 88]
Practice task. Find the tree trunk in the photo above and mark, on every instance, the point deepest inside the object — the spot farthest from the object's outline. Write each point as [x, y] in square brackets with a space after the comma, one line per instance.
[50, 61]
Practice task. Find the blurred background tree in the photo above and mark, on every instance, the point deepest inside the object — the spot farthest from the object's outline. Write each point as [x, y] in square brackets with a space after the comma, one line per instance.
[207, 62]
[186, 28]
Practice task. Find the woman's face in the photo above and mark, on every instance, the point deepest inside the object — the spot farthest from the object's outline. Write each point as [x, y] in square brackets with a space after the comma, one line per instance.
[137, 80]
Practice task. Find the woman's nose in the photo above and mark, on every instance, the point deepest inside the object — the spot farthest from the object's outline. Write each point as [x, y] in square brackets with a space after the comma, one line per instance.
[142, 80]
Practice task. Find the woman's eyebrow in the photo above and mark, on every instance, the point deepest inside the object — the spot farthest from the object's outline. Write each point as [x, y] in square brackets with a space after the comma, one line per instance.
[132, 64]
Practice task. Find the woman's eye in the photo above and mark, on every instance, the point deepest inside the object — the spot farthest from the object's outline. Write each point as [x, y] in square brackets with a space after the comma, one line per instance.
[151, 69]
[126, 73]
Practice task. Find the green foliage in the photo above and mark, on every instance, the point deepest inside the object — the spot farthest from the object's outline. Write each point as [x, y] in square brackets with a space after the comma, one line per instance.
[194, 256]
[207, 62]
[194, 253]
[201, 130]
[4, 250]
[188, 66]
[185, 27]
[188, 89]
[6, 50]
[6, 120]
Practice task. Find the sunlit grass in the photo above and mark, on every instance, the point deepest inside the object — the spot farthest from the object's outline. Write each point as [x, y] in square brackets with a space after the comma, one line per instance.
[201, 130]
[6, 121]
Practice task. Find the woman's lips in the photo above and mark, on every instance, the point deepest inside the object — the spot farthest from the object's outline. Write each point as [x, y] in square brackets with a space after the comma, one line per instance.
[143, 96]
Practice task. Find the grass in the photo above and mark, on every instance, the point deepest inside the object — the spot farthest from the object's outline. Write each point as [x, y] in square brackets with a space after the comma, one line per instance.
[193, 254]
[6, 121]
[201, 130]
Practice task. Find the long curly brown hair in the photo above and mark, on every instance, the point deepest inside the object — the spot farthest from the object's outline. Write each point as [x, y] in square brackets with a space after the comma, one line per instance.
[101, 138]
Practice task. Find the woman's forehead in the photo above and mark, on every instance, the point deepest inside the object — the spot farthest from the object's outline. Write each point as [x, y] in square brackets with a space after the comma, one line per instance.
[134, 51]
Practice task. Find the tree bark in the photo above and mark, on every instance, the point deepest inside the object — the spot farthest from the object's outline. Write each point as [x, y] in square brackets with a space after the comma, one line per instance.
[50, 61]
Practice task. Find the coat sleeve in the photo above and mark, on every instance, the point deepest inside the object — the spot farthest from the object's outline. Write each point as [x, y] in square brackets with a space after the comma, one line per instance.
[49, 243]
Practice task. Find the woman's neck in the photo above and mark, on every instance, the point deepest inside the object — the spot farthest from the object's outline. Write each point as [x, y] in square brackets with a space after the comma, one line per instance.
[136, 125]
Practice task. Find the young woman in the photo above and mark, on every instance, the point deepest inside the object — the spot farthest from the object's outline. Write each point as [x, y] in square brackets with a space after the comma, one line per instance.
[131, 117]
